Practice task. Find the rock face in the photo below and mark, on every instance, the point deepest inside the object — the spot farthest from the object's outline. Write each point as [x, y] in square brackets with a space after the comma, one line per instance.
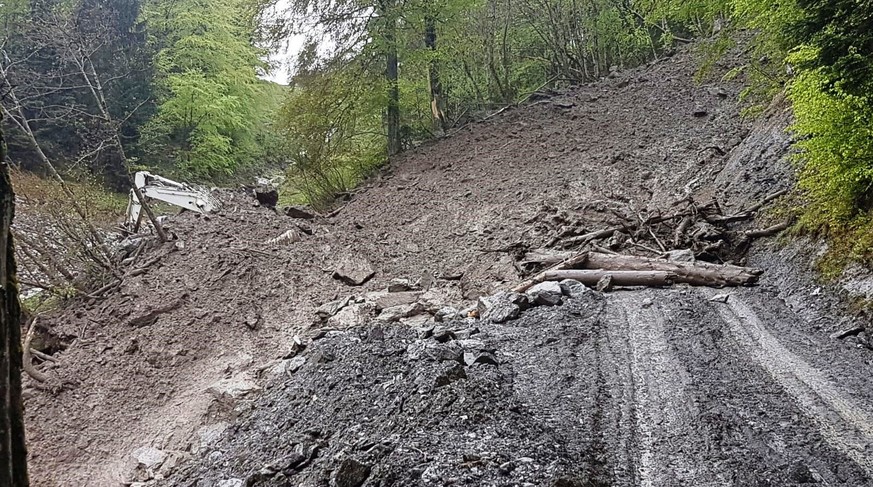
[354, 271]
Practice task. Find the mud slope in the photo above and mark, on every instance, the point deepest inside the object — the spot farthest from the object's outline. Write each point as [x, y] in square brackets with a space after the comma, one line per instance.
[679, 392]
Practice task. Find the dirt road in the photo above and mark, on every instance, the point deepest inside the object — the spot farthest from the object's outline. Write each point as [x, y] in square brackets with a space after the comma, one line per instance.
[631, 388]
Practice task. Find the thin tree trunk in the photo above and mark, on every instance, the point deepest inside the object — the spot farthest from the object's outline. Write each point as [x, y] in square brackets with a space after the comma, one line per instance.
[437, 102]
[392, 118]
[13, 451]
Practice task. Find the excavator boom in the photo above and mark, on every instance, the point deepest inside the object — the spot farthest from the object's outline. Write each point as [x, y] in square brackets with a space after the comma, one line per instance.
[162, 189]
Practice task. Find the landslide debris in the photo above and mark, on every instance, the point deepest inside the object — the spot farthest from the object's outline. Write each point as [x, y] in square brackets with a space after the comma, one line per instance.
[190, 350]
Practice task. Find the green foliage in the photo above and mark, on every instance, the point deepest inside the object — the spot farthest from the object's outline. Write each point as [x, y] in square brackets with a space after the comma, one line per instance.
[835, 129]
[211, 115]
[332, 130]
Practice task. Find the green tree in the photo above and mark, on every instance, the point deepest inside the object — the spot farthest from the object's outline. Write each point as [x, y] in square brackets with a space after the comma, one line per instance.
[208, 117]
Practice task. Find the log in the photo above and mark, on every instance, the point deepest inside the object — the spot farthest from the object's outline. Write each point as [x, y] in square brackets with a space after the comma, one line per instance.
[590, 277]
[769, 231]
[695, 273]
[575, 261]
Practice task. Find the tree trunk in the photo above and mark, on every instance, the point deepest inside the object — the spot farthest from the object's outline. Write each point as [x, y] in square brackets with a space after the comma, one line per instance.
[437, 102]
[391, 75]
[590, 277]
[695, 273]
[13, 452]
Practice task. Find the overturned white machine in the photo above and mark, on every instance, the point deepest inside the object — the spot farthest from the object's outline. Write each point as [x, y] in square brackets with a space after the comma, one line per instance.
[159, 188]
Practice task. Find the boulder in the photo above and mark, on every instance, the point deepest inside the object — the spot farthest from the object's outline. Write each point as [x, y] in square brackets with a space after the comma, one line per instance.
[547, 293]
[267, 196]
[331, 308]
[399, 286]
[354, 271]
[573, 288]
[353, 315]
[446, 313]
[501, 307]
[396, 313]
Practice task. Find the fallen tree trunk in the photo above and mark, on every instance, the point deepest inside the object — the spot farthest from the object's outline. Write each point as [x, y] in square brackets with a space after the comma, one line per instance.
[573, 262]
[590, 277]
[696, 273]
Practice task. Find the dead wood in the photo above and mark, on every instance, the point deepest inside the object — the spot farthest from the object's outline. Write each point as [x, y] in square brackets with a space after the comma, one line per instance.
[608, 232]
[591, 277]
[575, 261]
[545, 256]
[27, 361]
[696, 273]
[769, 231]
[747, 213]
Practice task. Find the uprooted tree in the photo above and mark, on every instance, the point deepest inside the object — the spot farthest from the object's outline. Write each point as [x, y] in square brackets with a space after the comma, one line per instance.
[13, 453]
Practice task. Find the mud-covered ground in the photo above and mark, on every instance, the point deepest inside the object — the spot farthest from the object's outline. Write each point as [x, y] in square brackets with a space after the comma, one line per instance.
[635, 387]
[643, 387]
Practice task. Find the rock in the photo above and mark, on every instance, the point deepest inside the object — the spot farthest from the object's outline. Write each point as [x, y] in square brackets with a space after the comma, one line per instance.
[396, 313]
[573, 288]
[546, 293]
[424, 331]
[684, 255]
[647, 303]
[354, 271]
[148, 457]
[446, 313]
[604, 284]
[700, 112]
[472, 344]
[720, 298]
[384, 299]
[233, 388]
[434, 351]
[453, 373]
[353, 315]
[267, 196]
[230, 483]
[417, 321]
[208, 435]
[287, 366]
[487, 358]
[464, 333]
[399, 285]
[501, 307]
[442, 334]
[174, 460]
[327, 310]
[298, 212]
[350, 473]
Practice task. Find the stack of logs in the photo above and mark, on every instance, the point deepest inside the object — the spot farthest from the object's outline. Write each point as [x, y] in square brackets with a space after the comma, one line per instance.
[702, 232]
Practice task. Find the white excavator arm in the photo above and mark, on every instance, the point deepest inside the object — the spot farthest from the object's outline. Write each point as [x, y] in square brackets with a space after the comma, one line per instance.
[159, 188]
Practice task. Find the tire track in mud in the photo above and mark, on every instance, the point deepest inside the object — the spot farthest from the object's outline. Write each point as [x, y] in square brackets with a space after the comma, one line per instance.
[749, 426]
[845, 424]
[665, 410]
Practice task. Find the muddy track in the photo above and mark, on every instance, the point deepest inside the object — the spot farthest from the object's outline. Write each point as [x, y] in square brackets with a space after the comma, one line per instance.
[632, 388]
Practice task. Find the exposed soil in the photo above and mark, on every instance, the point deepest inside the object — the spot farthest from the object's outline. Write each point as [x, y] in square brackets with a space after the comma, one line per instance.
[654, 387]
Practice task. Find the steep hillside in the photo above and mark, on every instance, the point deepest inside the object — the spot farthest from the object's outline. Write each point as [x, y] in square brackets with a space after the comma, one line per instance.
[189, 369]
